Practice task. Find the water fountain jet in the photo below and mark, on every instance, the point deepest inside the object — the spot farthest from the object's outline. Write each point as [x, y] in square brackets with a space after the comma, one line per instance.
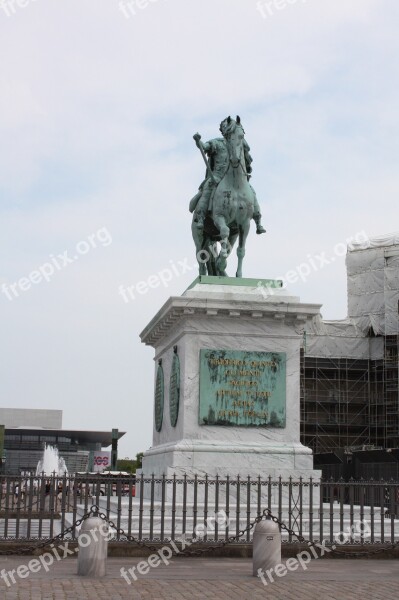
[51, 463]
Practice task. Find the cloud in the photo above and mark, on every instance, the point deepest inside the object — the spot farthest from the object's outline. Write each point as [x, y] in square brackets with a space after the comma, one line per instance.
[97, 112]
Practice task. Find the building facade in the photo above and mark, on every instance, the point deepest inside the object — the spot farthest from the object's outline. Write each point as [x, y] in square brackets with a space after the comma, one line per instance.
[27, 431]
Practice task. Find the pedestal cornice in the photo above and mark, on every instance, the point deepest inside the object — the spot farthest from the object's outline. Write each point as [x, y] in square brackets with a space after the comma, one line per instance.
[208, 301]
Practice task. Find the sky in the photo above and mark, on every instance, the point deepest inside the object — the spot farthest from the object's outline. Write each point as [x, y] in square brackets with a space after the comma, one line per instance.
[99, 100]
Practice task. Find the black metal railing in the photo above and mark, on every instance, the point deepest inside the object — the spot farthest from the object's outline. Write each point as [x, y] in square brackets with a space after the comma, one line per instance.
[160, 509]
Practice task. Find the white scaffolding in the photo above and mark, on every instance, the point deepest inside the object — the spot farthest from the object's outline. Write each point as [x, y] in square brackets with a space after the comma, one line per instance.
[350, 367]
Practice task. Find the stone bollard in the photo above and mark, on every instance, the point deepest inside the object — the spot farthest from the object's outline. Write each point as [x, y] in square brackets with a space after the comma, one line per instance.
[93, 548]
[266, 546]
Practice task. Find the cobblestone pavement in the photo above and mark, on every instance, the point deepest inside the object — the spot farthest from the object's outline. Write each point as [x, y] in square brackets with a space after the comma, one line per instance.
[216, 578]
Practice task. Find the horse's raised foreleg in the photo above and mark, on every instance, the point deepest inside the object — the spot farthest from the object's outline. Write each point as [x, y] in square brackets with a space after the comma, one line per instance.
[244, 230]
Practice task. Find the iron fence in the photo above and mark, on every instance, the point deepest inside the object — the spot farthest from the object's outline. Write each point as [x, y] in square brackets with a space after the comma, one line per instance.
[161, 509]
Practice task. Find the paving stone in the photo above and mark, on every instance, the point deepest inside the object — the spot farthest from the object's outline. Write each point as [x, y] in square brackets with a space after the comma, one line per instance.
[220, 579]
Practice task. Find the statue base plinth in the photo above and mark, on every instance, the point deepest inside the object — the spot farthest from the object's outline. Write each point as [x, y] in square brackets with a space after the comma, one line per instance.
[228, 315]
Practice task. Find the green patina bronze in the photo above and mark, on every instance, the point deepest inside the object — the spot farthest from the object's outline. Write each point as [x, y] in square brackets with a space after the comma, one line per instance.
[174, 390]
[159, 398]
[237, 281]
[226, 202]
[242, 389]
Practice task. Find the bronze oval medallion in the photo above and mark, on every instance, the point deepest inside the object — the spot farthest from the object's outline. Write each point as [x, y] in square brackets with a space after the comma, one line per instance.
[174, 391]
[159, 398]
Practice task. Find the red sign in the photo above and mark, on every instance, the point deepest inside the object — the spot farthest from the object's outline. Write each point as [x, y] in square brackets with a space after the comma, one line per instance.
[101, 461]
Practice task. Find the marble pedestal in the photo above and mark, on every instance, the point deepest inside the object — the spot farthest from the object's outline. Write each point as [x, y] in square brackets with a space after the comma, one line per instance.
[228, 314]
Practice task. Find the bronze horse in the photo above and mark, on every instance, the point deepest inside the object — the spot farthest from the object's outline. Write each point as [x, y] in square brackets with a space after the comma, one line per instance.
[231, 210]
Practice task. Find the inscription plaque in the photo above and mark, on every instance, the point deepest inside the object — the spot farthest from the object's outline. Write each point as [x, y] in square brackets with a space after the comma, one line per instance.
[242, 389]
[174, 391]
[159, 398]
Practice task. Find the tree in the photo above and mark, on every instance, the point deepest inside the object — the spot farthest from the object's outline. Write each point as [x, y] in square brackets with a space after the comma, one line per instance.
[130, 465]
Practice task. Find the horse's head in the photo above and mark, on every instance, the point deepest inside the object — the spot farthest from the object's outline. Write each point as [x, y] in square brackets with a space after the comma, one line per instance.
[233, 133]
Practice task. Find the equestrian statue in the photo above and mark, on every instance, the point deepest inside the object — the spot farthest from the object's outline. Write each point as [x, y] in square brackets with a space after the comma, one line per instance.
[226, 202]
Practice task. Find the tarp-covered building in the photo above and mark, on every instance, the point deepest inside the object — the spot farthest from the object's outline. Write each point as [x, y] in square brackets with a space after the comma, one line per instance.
[350, 395]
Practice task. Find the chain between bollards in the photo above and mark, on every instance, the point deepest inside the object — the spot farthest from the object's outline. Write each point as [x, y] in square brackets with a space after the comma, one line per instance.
[266, 513]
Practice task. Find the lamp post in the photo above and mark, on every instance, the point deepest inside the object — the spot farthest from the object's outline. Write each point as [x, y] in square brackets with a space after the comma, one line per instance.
[114, 450]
